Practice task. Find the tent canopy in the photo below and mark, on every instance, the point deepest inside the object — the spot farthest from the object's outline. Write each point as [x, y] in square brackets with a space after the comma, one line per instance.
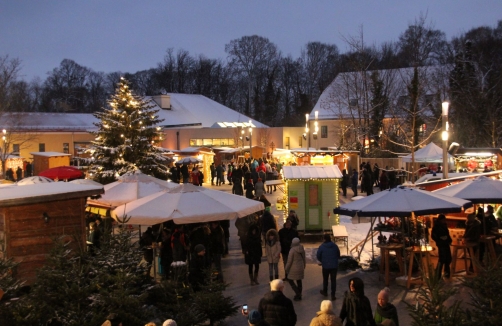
[430, 153]
[402, 202]
[186, 204]
[479, 190]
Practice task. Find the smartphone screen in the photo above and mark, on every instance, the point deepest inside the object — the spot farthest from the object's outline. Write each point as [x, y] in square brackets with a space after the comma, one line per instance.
[245, 307]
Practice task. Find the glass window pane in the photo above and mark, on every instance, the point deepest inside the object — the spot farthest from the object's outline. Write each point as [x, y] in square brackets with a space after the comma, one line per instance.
[313, 195]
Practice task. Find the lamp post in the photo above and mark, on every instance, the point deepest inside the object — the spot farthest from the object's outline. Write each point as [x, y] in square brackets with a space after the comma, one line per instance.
[250, 140]
[444, 136]
[307, 129]
[316, 128]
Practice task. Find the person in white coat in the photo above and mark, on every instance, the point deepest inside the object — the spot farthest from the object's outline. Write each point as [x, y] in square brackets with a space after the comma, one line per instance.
[273, 250]
[295, 267]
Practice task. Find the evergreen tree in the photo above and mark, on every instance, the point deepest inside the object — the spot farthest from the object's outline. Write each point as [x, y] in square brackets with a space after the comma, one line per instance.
[431, 309]
[9, 289]
[126, 136]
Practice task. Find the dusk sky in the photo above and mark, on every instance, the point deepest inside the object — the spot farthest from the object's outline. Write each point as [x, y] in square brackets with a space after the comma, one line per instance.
[128, 36]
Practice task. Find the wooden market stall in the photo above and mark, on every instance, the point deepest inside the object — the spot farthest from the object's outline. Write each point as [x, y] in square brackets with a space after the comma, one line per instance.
[32, 215]
[312, 191]
[46, 160]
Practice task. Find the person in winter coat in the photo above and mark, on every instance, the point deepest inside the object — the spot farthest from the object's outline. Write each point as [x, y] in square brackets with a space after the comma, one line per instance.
[384, 180]
[328, 254]
[195, 176]
[326, 316]
[354, 180]
[166, 252]
[293, 218]
[472, 231]
[385, 310]
[367, 182]
[253, 253]
[345, 182]
[179, 244]
[356, 307]
[219, 174]
[295, 268]
[275, 308]
[267, 221]
[259, 188]
[217, 246]
[273, 250]
[441, 236]
[198, 267]
[286, 236]
[242, 224]
[249, 189]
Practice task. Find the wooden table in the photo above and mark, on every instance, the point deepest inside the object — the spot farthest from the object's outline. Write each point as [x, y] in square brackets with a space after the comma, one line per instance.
[425, 260]
[385, 250]
[464, 247]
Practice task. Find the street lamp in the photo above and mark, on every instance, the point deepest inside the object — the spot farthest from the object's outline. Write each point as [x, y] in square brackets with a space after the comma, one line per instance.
[444, 136]
[316, 128]
[307, 130]
[250, 140]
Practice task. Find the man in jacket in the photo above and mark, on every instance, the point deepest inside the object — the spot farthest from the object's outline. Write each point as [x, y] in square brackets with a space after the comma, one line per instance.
[275, 308]
[328, 254]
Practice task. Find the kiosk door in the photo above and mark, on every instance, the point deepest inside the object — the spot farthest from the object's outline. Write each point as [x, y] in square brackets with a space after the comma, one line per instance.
[313, 206]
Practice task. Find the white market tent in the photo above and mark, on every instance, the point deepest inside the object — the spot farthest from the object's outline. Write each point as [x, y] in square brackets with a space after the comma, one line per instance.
[430, 153]
[312, 172]
[186, 204]
[129, 187]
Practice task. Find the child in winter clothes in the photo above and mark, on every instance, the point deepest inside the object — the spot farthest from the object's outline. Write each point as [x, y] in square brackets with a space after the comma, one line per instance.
[385, 310]
[273, 250]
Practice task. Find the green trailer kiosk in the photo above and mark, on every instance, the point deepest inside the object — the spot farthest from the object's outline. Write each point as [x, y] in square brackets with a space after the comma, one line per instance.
[312, 192]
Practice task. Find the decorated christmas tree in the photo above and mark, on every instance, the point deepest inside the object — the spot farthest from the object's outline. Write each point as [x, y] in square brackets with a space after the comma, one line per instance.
[125, 141]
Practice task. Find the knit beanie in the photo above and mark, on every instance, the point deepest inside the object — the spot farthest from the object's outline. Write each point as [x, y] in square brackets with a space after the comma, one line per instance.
[199, 248]
[254, 317]
[295, 242]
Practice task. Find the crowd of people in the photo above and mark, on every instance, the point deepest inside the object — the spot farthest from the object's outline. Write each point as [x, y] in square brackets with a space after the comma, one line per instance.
[275, 309]
[20, 172]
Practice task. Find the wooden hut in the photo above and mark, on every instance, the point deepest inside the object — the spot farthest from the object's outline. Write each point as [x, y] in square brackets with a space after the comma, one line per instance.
[312, 192]
[46, 160]
[32, 215]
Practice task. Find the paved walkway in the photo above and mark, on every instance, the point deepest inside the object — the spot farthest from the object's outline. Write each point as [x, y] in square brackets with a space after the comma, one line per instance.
[235, 272]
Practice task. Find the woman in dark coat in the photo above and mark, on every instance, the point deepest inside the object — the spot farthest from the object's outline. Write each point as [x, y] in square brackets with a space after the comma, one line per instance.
[253, 252]
[249, 189]
[356, 306]
[441, 236]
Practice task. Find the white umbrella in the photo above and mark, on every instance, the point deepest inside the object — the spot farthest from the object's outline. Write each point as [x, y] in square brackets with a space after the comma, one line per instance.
[402, 202]
[86, 182]
[479, 190]
[187, 204]
[129, 187]
[34, 180]
[188, 160]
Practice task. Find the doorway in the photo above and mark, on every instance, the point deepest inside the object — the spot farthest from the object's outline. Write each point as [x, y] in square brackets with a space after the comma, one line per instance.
[313, 206]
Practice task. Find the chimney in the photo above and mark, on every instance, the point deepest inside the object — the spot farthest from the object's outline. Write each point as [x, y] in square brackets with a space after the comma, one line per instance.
[164, 101]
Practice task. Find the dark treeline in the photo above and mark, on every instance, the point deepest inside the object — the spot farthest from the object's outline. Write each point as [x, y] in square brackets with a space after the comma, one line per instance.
[258, 80]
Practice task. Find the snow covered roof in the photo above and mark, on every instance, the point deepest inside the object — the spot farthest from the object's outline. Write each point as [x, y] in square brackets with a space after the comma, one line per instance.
[49, 154]
[193, 110]
[42, 121]
[35, 193]
[312, 172]
[348, 90]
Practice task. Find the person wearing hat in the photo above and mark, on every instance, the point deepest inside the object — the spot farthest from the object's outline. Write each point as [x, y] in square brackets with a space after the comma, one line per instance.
[198, 267]
[441, 235]
[267, 221]
[259, 188]
[293, 217]
[286, 236]
[295, 268]
[326, 316]
[255, 318]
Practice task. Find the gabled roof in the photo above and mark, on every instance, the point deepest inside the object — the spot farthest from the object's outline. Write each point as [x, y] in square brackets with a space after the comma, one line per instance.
[44, 121]
[187, 111]
[193, 110]
[335, 100]
[311, 172]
